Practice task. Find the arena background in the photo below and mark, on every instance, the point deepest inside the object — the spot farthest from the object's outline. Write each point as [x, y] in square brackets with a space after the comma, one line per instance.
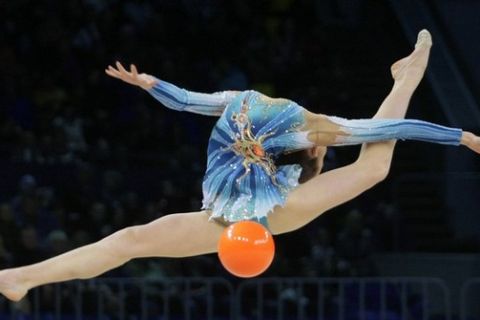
[83, 155]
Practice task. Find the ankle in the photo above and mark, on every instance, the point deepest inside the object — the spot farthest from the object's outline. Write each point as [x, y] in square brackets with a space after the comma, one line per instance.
[403, 87]
[21, 277]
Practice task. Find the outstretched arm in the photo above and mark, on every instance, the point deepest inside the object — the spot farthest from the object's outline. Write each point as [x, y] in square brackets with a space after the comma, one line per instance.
[183, 100]
[172, 96]
[374, 130]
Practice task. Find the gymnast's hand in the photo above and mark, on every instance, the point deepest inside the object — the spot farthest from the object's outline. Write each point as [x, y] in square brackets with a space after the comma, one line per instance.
[143, 80]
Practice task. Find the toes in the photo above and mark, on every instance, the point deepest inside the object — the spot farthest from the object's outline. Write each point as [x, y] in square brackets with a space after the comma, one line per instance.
[424, 39]
[412, 68]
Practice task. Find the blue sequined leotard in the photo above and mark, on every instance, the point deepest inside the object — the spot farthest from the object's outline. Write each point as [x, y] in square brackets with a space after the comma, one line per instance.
[242, 181]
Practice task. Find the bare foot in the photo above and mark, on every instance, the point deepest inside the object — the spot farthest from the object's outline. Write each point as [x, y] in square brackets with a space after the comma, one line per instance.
[10, 285]
[410, 70]
[471, 141]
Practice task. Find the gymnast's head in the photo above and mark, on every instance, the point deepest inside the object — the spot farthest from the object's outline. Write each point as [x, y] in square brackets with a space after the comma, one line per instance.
[310, 159]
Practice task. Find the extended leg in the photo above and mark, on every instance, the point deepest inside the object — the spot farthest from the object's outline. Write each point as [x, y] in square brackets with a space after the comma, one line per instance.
[169, 236]
[335, 187]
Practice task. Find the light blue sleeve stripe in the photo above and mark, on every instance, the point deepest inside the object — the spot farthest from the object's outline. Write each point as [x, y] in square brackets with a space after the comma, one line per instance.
[374, 130]
[180, 99]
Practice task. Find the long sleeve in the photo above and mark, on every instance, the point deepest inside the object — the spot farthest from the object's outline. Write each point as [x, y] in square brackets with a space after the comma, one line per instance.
[180, 99]
[373, 130]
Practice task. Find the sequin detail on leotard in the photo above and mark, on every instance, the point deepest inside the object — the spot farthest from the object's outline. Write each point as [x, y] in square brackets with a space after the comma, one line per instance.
[242, 181]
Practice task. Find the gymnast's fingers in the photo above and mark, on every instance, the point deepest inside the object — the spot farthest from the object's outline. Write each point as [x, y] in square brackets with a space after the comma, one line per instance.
[133, 70]
[122, 69]
[114, 71]
[112, 74]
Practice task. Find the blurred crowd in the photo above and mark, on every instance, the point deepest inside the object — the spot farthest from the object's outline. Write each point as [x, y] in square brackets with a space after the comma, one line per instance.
[84, 155]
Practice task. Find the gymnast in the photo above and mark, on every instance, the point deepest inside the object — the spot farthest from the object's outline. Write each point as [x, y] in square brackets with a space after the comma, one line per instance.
[243, 180]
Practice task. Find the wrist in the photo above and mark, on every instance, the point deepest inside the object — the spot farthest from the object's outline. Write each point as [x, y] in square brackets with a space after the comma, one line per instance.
[147, 87]
[466, 138]
[147, 81]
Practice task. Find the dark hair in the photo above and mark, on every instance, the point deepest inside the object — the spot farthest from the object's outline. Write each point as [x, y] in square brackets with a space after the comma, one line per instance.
[309, 165]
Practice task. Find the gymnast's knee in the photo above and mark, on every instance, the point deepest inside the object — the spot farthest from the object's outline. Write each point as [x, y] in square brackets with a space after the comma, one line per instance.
[120, 243]
[379, 171]
[147, 240]
[374, 171]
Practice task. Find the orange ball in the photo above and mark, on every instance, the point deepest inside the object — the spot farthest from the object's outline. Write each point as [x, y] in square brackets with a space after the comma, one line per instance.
[246, 249]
